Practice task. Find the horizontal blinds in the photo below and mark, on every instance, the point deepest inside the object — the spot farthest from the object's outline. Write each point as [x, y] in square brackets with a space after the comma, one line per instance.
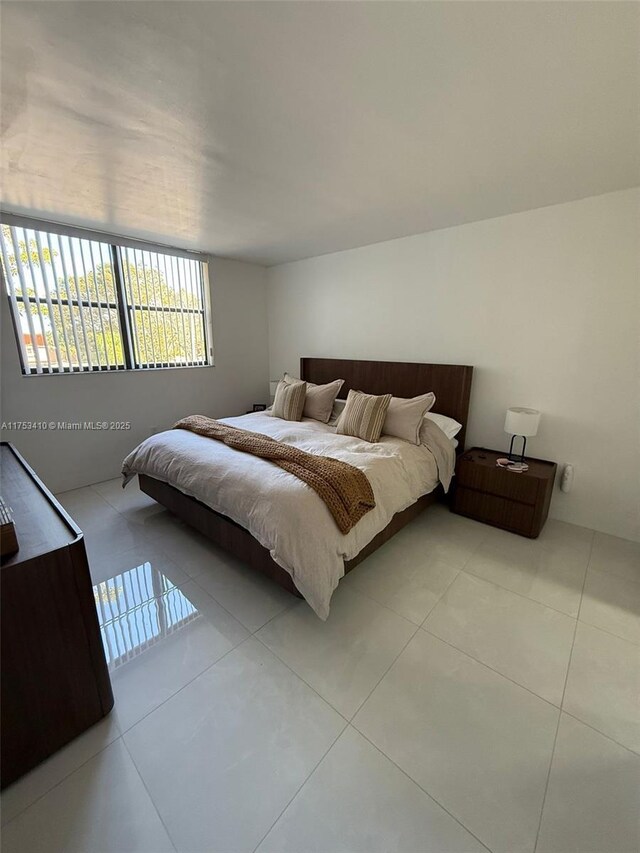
[81, 304]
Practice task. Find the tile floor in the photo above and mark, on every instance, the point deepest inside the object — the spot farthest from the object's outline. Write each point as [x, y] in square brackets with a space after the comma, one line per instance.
[471, 690]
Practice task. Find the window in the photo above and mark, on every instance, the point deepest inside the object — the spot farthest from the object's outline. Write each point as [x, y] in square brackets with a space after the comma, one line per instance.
[80, 304]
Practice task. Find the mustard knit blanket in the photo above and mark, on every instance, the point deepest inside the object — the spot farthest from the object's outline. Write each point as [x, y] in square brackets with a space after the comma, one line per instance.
[345, 489]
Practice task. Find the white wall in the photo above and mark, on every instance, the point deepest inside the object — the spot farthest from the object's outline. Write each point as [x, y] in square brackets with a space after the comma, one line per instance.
[544, 304]
[152, 399]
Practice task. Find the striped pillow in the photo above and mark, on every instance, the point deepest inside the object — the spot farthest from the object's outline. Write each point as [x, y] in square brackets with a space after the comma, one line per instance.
[288, 402]
[318, 403]
[363, 415]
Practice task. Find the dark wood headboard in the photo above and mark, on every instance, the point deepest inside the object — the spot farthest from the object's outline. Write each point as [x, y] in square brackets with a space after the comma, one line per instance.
[451, 383]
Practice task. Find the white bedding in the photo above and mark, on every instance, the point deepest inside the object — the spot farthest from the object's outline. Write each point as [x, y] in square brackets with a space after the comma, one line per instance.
[279, 510]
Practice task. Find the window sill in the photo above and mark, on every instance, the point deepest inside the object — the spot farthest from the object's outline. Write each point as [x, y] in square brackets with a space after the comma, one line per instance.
[119, 371]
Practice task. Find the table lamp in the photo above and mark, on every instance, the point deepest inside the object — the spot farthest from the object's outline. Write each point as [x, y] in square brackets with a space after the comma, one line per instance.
[521, 422]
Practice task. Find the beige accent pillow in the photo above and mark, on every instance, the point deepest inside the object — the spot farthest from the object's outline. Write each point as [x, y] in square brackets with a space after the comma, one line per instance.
[319, 401]
[288, 402]
[404, 416]
[363, 415]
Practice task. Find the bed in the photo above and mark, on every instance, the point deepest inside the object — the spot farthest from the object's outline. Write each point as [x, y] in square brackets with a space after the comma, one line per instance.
[247, 505]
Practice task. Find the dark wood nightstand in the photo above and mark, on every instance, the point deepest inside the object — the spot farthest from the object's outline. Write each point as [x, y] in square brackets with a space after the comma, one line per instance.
[515, 502]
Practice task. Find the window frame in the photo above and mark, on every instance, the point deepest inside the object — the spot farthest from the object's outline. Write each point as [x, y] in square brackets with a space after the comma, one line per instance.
[123, 306]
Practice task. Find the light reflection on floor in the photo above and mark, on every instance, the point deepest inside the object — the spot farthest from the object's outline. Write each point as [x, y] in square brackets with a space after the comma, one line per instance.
[138, 608]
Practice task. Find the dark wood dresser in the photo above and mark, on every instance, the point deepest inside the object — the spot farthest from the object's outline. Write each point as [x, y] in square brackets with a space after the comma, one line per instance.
[55, 682]
[515, 502]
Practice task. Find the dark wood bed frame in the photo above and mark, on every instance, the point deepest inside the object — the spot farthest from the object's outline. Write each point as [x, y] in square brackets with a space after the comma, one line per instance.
[451, 383]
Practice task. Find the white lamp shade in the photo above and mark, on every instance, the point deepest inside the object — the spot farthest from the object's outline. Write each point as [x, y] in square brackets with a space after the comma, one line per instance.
[522, 421]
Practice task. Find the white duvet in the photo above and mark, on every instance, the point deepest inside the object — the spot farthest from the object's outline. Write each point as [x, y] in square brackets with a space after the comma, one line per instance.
[284, 514]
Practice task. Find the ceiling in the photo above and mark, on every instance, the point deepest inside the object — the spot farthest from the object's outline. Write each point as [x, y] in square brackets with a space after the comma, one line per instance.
[274, 131]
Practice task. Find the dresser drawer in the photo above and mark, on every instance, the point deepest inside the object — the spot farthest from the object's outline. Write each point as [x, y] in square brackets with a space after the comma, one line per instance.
[498, 481]
[501, 512]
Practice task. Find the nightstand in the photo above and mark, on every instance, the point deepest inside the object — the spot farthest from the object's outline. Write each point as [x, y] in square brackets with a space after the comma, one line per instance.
[515, 502]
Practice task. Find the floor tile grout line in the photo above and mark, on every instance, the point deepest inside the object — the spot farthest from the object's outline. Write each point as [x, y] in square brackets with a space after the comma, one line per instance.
[418, 785]
[473, 552]
[60, 781]
[464, 568]
[92, 487]
[284, 610]
[298, 791]
[180, 689]
[102, 498]
[471, 573]
[184, 686]
[635, 752]
[573, 642]
[536, 695]
[591, 624]
[492, 669]
[368, 696]
[610, 574]
[123, 513]
[546, 784]
[297, 675]
[233, 616]
[354, 588]
[153, 802]
[564, 689]
[369, 597]
[449, 585]
[533, 601]
[324, 699]
[137, 527]
[609, 633]
[538, 542]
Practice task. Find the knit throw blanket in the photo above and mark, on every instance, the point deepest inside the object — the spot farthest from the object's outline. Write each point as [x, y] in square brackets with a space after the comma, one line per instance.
[345, 489]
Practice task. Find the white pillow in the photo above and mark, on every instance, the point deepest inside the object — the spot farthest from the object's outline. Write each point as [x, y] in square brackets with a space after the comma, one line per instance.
[449, 426]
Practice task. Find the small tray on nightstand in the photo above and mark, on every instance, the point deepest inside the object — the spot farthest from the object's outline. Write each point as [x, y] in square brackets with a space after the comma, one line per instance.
[518, 502]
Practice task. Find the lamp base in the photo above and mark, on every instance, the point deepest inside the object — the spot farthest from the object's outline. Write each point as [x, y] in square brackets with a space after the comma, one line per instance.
[513, 458]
